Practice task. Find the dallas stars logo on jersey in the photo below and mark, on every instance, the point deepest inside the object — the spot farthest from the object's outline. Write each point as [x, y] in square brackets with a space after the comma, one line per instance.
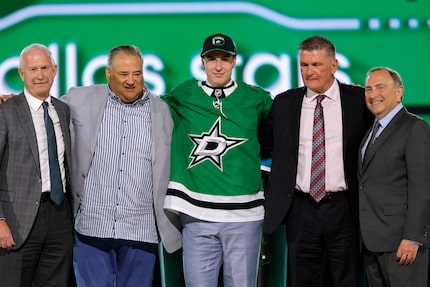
[212, 146]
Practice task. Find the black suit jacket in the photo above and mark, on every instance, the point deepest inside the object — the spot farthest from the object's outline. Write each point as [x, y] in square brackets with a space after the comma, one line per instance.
[20, 175]
[285, 118]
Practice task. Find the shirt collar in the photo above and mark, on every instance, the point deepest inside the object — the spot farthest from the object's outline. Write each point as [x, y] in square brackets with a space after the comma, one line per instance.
[34, 102]
[332, 93]
[208, 90]
[141, 101]
[388, 117]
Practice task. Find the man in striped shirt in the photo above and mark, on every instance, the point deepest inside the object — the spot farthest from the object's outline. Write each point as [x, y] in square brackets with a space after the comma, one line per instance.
[121, 136]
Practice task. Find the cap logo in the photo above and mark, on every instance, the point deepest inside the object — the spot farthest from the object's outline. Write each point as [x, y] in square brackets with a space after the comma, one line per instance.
[218, 41]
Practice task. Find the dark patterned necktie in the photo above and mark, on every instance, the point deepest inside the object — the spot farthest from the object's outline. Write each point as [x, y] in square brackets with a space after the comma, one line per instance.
[57, 194]
[317, 187]
[375, 128]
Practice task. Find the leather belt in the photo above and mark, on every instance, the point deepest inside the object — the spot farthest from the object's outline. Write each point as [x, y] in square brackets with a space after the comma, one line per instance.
[329, 195]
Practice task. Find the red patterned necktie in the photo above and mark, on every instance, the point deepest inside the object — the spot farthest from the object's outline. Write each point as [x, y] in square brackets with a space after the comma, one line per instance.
[317, 187]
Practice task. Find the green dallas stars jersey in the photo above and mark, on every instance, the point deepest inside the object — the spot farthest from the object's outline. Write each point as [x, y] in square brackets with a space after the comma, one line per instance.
[215, 161]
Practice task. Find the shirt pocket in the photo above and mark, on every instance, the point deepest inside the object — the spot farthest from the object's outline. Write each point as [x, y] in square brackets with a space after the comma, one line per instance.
[7, 196]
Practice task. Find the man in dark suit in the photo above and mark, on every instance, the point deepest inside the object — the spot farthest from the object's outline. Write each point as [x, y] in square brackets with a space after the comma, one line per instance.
[36, 233]
[321, 227]
[394, 196]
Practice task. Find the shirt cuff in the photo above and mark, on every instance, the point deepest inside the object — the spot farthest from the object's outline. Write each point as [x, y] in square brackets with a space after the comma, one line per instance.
[416, 242]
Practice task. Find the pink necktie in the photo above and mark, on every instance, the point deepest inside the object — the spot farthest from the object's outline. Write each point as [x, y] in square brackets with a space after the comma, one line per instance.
[317, 187]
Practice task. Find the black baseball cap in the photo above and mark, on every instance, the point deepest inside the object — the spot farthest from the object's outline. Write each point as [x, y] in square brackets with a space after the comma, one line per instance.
[218, 42]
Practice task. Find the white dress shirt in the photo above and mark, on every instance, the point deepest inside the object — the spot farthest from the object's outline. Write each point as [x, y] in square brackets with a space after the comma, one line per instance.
[36, 110]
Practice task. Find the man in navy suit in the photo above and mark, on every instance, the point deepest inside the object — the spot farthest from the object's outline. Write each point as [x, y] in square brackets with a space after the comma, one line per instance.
[36, 234]
[394, 179]
[321, 234]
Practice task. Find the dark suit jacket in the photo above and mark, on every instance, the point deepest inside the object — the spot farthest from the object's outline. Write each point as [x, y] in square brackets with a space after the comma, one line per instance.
[395, 185]
[285, 115]
[20, 175]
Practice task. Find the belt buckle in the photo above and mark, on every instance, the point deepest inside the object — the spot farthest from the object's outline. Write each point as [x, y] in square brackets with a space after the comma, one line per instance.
[328, 196]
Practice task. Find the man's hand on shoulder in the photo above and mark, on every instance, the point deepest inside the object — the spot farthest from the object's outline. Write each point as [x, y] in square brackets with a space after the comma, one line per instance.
[4, 98]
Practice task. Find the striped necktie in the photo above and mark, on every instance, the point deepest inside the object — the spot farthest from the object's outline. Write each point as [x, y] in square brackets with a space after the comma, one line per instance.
[317, 186]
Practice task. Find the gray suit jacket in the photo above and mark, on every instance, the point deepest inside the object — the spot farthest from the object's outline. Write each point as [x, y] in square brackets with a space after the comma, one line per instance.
[20, 175]
[394, 185]
[87, 105]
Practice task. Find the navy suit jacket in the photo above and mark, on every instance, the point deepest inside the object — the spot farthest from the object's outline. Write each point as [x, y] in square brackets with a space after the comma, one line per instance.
[285, 117]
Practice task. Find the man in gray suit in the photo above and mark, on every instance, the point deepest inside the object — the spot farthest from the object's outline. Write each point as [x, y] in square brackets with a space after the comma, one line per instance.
[36, 233]
[394, 196]
[121, 136]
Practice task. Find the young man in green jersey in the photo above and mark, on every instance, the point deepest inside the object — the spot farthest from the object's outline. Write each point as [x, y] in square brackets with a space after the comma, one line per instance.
[215, 183]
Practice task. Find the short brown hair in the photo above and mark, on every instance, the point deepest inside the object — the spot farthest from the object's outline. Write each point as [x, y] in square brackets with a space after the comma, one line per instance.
[318, 43]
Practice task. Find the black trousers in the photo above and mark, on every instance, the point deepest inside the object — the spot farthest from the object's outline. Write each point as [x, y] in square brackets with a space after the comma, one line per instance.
[45, 258]
[322, 237]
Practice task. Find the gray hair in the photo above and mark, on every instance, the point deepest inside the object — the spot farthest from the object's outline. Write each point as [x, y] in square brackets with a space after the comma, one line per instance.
[393, 74]
[33, 47]
[130, 50]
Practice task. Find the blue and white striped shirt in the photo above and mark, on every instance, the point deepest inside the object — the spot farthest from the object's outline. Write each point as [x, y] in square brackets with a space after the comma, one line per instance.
[117, 201]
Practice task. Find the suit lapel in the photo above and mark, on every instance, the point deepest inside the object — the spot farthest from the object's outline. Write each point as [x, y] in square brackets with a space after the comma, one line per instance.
[296, 108]
[96, 109]
[26, 121]
[360, 156]
[382, 138]
[345, 108]
[156, 127]
[64, 121]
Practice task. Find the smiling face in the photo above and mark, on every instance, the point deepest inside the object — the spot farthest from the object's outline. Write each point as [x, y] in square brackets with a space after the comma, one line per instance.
[125, 77]
[317, 68]
[218, 67]
[382, 93]
[37, 72]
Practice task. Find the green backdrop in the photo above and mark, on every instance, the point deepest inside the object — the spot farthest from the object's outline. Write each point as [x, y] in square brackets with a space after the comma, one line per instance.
[366, 33]
[267, 32]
